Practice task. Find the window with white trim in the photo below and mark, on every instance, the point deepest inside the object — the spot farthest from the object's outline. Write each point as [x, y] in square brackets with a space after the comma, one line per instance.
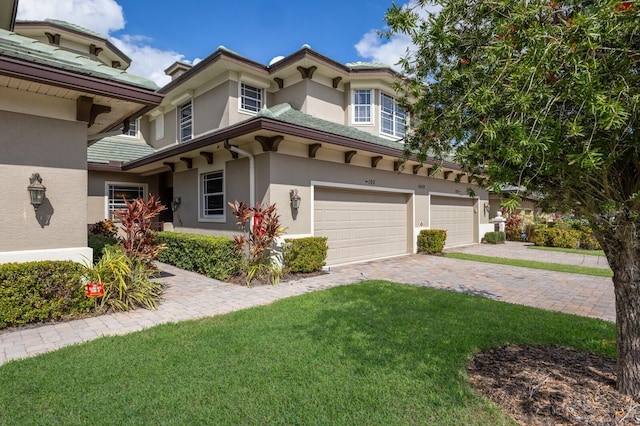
[250, 98]
[117, 193]
[213, 194]
[133, 128]
[185, 122]
[393, 117]
[362, 106]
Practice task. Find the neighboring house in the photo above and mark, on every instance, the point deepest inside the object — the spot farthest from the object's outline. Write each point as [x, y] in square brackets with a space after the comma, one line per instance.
[528, 205]
[56, 94]
[304, 127]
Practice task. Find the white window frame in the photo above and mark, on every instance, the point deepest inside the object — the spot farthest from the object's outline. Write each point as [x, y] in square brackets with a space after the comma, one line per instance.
[259, 99]
[186, 123]
[202, 217]
[356, 106]
[134, 129]
[107, 195]
[394, 115]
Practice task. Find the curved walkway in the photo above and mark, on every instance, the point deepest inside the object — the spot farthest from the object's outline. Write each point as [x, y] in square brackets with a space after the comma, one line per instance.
[190, 296]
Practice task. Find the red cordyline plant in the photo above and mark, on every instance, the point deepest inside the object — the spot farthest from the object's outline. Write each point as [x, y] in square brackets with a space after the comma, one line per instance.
[260, 226]
[136, 218]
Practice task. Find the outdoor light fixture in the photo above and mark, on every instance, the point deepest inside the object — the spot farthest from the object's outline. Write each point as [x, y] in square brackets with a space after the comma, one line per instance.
[295, 202]
[487, 208]
[36, 190]
[175, 203]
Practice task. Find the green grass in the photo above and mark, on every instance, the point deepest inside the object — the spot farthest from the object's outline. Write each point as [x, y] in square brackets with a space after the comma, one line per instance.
[374, 353]
[569, 250]
[547, 266]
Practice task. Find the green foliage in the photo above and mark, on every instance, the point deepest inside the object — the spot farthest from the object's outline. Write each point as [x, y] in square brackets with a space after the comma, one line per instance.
[431, 241]
[128, 281]
[214, 257]
[495, 237]
[557, 237]
[139, 239]
[104, 228]
[305, 255]
[260, 227]
[40, 291]
[98, 242]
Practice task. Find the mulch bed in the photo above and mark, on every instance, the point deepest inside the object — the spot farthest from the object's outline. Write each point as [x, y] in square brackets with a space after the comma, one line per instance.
[545, 385]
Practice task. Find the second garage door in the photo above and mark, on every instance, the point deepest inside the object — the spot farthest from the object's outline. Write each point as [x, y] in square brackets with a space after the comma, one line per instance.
[361, 225]
[456, 216]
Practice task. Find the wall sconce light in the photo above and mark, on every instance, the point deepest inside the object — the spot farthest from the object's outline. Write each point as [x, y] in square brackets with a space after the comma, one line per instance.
[295, 203]
[36, 190]
[487, 208]
[175, 203]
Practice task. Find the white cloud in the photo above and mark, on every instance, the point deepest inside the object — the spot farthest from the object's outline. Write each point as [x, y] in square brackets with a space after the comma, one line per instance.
[389, 51]
[105, 17]
[101, 16]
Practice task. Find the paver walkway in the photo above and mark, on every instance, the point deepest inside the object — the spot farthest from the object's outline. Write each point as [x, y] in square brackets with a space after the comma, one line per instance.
[189, 295]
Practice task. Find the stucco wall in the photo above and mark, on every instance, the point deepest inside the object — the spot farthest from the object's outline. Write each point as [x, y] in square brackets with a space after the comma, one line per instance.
[57, 150]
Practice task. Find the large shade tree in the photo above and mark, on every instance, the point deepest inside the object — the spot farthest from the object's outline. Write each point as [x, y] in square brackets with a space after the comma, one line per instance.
[543, 95]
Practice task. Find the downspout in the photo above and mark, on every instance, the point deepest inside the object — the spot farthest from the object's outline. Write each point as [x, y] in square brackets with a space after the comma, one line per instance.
[252, 170]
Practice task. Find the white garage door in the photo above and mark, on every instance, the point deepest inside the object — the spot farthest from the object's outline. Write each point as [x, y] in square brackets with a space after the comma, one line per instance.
[361, 225]
[456, 216]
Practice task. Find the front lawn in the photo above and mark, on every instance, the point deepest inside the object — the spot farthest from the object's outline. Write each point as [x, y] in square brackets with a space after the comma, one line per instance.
[370, 353]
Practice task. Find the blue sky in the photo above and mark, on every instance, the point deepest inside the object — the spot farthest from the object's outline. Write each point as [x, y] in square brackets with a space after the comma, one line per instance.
[157, 33]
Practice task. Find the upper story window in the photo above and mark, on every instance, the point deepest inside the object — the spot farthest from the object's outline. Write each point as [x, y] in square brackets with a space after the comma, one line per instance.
[362, 106]
[133, 128]
[213, 194]
[185, 122]
[393, 117]
[250, 98]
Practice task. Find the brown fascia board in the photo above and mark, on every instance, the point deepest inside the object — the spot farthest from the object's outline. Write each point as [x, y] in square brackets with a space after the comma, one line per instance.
[265, 123]
[31, 71]
[203, 64]
[50, 24]
[304, 53]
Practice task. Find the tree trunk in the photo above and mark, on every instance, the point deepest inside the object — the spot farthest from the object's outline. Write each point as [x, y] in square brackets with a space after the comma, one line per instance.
[622, 247]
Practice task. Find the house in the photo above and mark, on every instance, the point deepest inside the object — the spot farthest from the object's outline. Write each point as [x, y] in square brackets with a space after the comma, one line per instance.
[304, 130]
[320, 139]
[60, 87]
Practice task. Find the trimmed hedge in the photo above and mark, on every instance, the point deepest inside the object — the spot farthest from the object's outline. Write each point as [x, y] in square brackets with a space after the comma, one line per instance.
[305, 255]
[98, 243]
[495, 237]
[215, 257]
[41, 291]
[431, 241]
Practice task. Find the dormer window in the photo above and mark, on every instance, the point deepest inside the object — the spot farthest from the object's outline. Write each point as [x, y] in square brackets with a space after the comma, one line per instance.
[250, 98]
[361, 102]
[393, 117]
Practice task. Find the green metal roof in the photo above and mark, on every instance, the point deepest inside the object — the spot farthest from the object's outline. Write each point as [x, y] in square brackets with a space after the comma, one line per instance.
[286, 113]
[27, 49]
[112, 149]
[75, 27]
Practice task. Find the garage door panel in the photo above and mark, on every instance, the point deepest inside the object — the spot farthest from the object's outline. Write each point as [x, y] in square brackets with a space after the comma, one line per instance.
[456, 216]
[369, 225]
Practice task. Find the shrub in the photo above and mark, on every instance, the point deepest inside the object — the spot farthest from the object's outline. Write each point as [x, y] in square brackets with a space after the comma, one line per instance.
[214, 257]
[257, 242]
[127, 281]
[557, 237]
[98, 242]
[431, 241]
[106, 228]
[139, 239]
[513, 228]
[496, 237]
[305, 255]
[588, 241]
[40, 291]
